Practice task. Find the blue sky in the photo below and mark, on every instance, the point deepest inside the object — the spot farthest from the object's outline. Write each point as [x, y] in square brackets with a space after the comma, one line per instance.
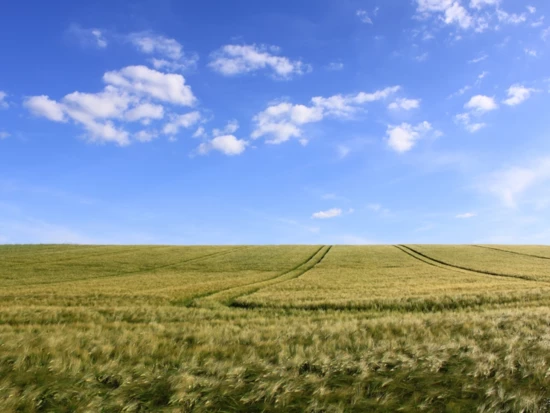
[335, 122]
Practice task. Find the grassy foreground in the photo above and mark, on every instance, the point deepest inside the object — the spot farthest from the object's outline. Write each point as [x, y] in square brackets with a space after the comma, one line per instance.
[274, 329]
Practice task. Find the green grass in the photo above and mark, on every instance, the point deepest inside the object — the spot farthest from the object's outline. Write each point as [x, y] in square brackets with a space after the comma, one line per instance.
[274, 329]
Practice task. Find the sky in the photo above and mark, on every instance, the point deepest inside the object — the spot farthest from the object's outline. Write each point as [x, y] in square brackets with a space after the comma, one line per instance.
[288, 122]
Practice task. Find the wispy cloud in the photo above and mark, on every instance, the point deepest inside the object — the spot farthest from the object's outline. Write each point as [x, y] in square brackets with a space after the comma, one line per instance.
[234, 59]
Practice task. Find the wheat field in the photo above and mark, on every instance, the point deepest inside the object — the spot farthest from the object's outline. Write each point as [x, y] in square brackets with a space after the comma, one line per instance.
[274, 328]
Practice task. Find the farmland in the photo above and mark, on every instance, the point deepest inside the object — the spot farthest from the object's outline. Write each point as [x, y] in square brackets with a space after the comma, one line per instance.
[274, 328]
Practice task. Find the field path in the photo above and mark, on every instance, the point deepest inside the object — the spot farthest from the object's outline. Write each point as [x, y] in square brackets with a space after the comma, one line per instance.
[512, 252]
[438, 263]
[228, 296]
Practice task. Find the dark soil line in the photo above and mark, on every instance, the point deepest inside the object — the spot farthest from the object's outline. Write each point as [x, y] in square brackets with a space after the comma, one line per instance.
[224, 252]
[512, 252]
[425, 261]
[470, 269]
[235, 304]
[190, 302]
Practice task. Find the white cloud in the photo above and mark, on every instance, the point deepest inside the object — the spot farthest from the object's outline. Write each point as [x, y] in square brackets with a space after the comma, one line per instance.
[478, 4]
[481, 104]
[44, 106]
[233, 59]
[226, 144]
[181, 121]
[482, 15]
[229, 129]
[100, 39]
[465, 120]
[451, 11]
[545, 34]
[466, 215]
[200, 132]
[482, 75]
[145, 112]
[106, 132]
[510, 184]
[283, 121]
[363, 16]
[532, 9]
[107, 104]
[141, 80]
[146, 136]
[3, 103]
[478, 59]
[511, 18]
[88, 37]
[459, 15]
[531, 52]
[331, 213]
[405, 104]
[334, 66]
[151, 43]
[4, 135]
[169, 52]
[126, 98]
[402, 138]
[518, 94]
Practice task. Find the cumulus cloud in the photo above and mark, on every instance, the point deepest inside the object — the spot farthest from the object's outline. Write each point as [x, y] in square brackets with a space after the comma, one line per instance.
[402, 138]
[478, 106]
[145, 112]
[466, 215]
[140, 80]
[482, 15]
[146, 135]
[226, 144]
[229, 129]
[178, 122]
[45, 107]
[466, 120]
[511, 18]
[200, 132]
[126, 98]
[404, 104]
[169, 53]
[331, 213]
[3, 103]
[481, 104]
[518, 94]
[235, 59]
[283, 121]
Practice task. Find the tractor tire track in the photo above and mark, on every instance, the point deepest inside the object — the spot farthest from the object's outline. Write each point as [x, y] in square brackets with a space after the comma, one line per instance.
[429, 260]
[512, 252]
[219, 297]
[307, 267]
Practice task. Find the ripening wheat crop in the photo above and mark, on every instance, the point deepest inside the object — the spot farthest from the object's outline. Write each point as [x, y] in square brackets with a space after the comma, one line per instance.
[274, 328]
